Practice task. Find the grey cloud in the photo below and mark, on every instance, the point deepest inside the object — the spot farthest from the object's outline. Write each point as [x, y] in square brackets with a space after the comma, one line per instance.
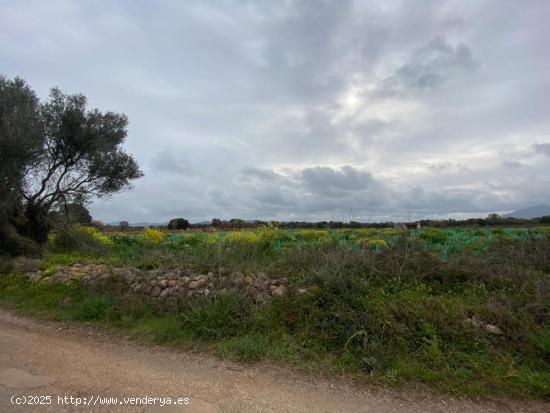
[320, 179]
[261, 174]
[242, 108]
[431, 66]
[542, 148]
[167, 160]
[510, 164]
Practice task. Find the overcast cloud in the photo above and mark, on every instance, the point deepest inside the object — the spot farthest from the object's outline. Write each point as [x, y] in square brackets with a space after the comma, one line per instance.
[305, 109]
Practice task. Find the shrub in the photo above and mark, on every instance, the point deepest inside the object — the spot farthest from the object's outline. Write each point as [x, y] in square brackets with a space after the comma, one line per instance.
[269, 234]
[93, 308]
[81, 238]
[377, 244]
[153, 236]
[223, 316]
[96, 235]
[247, 239]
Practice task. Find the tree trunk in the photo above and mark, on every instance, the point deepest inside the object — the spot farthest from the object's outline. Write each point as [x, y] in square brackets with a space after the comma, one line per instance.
[37, 225]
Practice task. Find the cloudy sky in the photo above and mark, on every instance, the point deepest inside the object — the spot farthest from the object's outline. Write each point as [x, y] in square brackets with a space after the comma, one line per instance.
[305, 109]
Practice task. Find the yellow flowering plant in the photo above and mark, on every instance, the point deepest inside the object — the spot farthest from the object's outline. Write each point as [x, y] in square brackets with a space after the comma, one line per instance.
[153, 236]
[96, 235]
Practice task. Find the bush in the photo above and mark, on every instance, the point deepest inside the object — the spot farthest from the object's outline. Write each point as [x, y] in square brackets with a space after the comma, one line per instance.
[94, 308]
[223, 316]
[153, 236]
[81, 238]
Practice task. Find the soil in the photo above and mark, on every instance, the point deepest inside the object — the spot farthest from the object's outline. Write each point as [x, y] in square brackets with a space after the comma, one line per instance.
[40, 358]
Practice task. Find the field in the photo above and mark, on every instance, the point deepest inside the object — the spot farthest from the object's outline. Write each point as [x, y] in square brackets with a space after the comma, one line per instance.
[464, 310]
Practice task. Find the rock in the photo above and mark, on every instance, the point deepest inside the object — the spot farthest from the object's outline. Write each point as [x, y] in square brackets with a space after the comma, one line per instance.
[302, 291]
[281, 291]
[156, 291]
[261, 282]
[24, 264]
[193, 285]
[474, 322]
[261, 298]
[477, 323]
[35, 276]
[493, 329]
[237, 277]
[249, 280]
[57, 277]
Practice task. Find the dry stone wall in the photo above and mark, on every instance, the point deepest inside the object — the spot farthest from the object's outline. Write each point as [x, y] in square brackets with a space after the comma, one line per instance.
[168, 287]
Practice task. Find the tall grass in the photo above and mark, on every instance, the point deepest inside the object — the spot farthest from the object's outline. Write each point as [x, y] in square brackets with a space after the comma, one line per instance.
[393, 314]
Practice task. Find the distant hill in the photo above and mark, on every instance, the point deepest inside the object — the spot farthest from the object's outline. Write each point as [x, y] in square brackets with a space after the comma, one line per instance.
[531, 212]
[140, 224]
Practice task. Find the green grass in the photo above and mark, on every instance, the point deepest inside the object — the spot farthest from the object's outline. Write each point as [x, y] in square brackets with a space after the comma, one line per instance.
[394, 334]
[391, 316]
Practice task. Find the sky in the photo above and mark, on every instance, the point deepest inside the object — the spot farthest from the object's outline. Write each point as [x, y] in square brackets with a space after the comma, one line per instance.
[305, 110]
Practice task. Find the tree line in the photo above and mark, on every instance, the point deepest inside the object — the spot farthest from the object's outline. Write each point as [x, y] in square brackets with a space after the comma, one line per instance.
[238, 223]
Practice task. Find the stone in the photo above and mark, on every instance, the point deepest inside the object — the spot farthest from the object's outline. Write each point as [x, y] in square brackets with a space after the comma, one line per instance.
[281, 291]
[35, 276]
[474, 322]
[493, 329]
[193, 285]
[156, 291]
[261, 281]
[24, 264]
[237, 278]
[58, 277]
[302, 291]
[249, 280]
[477, 323]
[262, 298]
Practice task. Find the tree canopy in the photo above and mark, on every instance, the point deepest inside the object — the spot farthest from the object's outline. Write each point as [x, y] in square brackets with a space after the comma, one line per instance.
[55, 153]
[178, 223]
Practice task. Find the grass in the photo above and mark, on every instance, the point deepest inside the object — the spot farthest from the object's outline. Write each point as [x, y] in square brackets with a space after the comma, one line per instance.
[395, 315]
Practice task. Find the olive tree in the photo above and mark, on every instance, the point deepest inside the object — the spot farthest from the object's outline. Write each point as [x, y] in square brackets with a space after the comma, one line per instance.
[56, 152]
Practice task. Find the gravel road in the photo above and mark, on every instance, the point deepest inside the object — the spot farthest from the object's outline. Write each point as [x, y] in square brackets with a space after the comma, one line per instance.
[56, 359]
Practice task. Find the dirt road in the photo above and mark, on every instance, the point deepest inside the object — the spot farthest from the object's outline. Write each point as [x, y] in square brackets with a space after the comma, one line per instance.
[54, 359]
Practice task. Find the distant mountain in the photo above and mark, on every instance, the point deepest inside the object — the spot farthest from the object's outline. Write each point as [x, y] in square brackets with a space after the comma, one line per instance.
[140, 224]
[531, 212]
